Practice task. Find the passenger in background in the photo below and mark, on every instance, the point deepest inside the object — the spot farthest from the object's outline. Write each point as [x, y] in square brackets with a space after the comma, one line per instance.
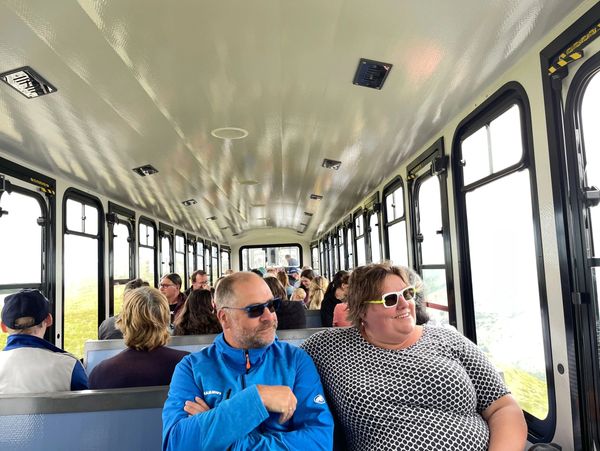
[340, 316]
[28, 363]
[316, 292]
[294, 275]
[198, 316]
[306, 276]
[247, 390]
[146, 361]
[199, 281]
[298, 295]
[335, 294]
[439, 390]
[228, 272]
[285, 282]
[108, 330]
[170, 287]
[291, 261]
[291, 314]
[217, 282]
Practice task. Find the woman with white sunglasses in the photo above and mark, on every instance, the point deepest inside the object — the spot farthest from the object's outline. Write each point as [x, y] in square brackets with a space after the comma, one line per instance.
[394, 383]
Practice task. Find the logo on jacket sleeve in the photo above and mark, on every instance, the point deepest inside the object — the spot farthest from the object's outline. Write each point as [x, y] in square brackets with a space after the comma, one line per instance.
[319, 399]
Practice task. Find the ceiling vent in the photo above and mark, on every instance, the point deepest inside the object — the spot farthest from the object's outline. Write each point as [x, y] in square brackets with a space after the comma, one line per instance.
[28, 82]
[235, 234]
[371, 74]
[308, 214]
[212, 218]
[331, 164]
[143, 171]
[189, 202]
[316, 197]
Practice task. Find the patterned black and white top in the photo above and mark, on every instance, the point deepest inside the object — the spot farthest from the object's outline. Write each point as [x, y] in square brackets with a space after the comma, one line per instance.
[428, 396]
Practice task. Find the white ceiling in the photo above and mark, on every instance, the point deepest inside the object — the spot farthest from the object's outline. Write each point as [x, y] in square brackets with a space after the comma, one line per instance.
[145, 81]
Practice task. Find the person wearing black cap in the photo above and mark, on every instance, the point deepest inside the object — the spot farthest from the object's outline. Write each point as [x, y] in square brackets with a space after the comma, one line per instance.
[28, 363]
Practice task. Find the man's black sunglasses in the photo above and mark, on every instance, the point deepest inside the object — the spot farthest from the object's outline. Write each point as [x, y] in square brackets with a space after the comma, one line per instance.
[256, 310]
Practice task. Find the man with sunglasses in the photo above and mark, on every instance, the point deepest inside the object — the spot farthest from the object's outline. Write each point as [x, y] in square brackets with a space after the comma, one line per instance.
[247, 390]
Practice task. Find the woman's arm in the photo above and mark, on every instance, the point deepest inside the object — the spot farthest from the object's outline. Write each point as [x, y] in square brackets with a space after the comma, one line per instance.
[508, 430]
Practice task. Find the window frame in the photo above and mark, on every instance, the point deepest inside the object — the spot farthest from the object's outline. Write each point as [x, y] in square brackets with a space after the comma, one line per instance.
[388, 189]
[166, 231]
[268, 245]
[93, 201]
[148, 223]
[540, 430]
[186, 272]
[118, 214]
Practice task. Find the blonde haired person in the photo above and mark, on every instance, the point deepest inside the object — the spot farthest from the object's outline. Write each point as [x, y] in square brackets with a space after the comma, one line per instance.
[144, 321]
[298, 295]
[316, 292]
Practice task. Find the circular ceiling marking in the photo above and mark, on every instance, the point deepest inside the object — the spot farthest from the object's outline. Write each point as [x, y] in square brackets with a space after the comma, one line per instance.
[229, 133]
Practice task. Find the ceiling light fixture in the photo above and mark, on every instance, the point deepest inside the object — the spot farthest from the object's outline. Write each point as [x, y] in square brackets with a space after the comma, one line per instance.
[145, 170]
[316, 197]
[27, 82]
[248, 182]
[212, 218]
[189, 202]
[331, 164]
[308, 213]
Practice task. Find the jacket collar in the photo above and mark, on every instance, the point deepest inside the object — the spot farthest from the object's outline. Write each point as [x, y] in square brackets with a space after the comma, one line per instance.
[236, 358]
[29, 341]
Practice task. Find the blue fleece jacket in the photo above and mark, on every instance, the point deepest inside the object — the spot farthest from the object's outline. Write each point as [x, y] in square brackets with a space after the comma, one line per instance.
[237, 418]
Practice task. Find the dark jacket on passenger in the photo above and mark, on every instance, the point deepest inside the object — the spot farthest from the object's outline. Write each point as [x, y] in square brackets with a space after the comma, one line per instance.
[176, 308]
[327, 308]
[291, 315]
[108, 329]
[132, 368]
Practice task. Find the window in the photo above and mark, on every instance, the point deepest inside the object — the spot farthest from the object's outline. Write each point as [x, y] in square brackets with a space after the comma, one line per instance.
[215, 263]
[349, 246]
[225, 263]
[266, 256]
[82, 262]
[496, 204]
[207, 260]
[395, 223]
[199, 255]
[147, 251]
[166, 249]
[191, 255]
[359, 233]
[180, 249]
[121, 245]
[23, 236]
[341, 248]
[314, 254]
[332, 252]
[323, 256]
[374, 237]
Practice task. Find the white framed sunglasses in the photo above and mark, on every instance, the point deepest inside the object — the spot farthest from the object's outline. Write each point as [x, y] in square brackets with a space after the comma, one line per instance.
[390, 300]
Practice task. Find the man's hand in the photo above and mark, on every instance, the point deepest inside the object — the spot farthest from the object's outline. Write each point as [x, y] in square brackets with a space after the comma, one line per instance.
[196, 407]
[279, 399]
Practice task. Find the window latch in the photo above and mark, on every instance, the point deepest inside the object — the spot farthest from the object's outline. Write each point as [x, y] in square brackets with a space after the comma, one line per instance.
[591, 195]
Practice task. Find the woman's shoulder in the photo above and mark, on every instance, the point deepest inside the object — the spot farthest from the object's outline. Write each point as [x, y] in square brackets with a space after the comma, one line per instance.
[331, 336]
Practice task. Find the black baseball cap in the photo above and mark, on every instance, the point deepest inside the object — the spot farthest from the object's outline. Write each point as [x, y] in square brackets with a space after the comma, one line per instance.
[25, 304]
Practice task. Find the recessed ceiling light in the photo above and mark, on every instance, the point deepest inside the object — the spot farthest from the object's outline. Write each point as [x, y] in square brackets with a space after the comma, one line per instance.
[308, 213]
[331, 164]
[303, 224]
[145, 170]
[27, 82]
[248, 182]
[229, 133]
[212, 218]
[189, 202]
[224, 228]
[234, 234]
[316, 197]
[259, 205]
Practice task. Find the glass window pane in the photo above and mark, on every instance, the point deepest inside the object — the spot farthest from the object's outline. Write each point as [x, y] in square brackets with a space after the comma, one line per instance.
[374, 238]
[190, 256]
[349, 248]
[121, 251]
[394, 202]
[315, 258]
[180, 264]
[146, 264]
[397, 241]
[361, 258]
[475, 154]
[200, 255]
[358, 224]
[505, 138]
[224, 261]
[245, 265]
[591, 139]
[435, 287]
[119, 290]
[215, 263]
[495, 245]
[179, 243]
[165, 255]
[430, 222]
[21, 238]
[91, 220]
[207, 262]
[74, 215]
[81, 292]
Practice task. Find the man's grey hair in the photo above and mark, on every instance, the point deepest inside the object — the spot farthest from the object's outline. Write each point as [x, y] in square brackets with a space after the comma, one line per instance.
[225, 295]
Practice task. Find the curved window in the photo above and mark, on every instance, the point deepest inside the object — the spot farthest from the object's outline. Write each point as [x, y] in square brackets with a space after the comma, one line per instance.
[395, 223]
[147, 251]
[374, 237]
[180, 256]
